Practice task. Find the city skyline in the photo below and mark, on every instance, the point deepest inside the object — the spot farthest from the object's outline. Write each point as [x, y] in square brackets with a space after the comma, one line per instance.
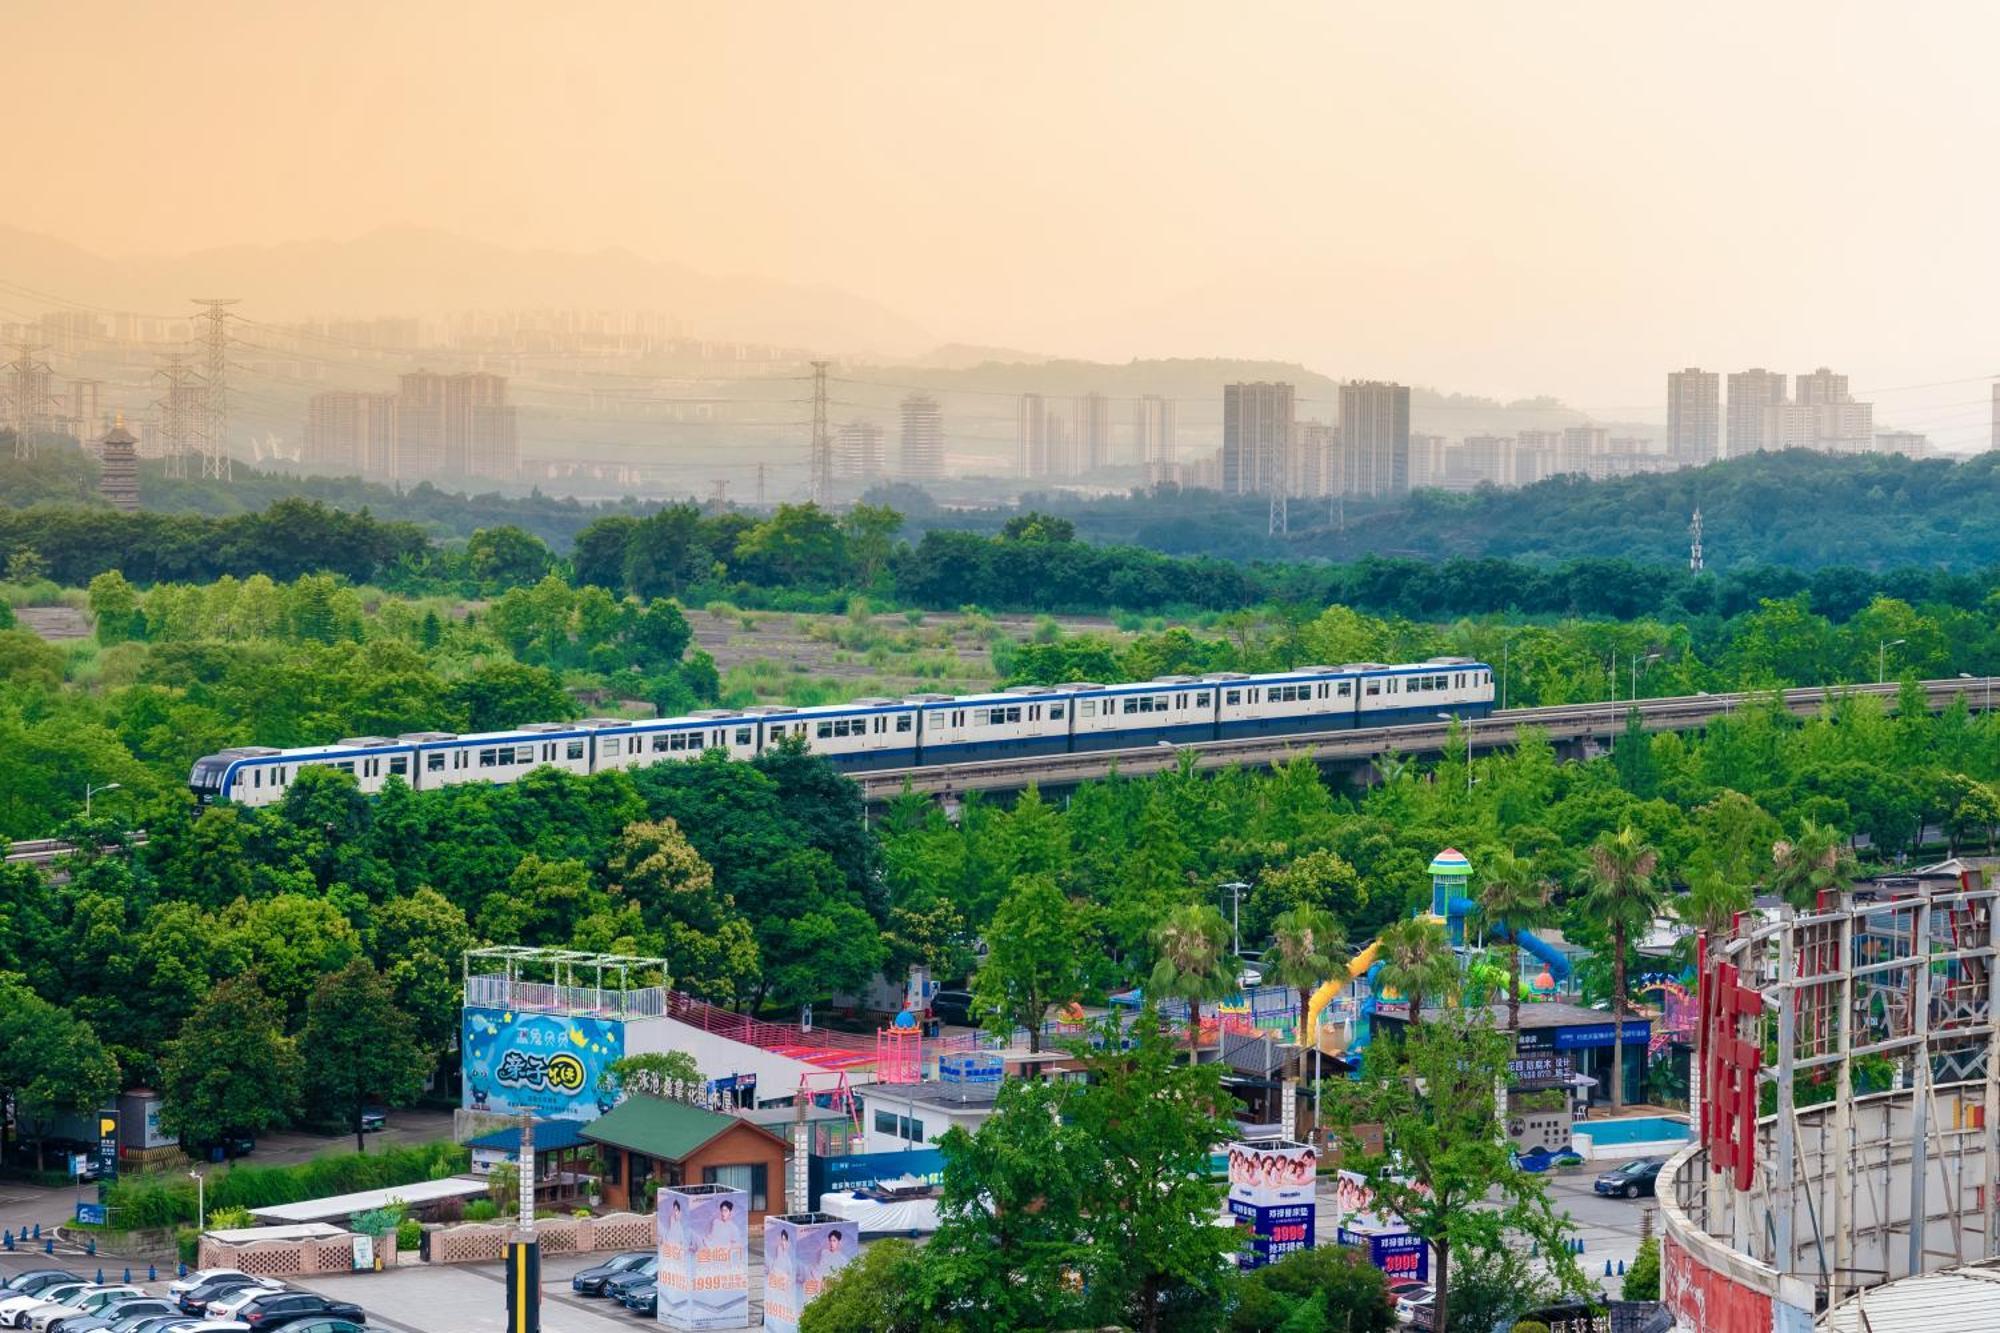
[1586, 248]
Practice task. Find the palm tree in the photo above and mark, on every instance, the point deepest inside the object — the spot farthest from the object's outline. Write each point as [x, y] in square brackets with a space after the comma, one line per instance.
[1818, 860]
[1513, 897]
[1306, 946]
[1623, 891]
[1417, 960]
[1194, 963]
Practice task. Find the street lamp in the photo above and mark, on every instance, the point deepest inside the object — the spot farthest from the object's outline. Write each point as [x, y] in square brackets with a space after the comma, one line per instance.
[200, 1202]
[1237, 888]
[90, 791]
[1650, 657]
[1882, 657]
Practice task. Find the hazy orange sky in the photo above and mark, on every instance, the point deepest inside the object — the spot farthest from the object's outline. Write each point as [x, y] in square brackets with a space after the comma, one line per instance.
[1568, 198]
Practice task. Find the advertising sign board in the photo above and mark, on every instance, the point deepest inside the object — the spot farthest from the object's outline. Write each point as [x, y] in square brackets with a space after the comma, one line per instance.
[1272, 1186]
[545, 1063]
[802, 1252]
[107, 1145]
[1396, 1252]
[704, 1277]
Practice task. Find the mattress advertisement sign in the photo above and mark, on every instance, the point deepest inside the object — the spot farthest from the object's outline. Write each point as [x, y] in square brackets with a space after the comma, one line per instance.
[548, 1064]
[801, 1255]
[704, 1277]
[1271, 1193]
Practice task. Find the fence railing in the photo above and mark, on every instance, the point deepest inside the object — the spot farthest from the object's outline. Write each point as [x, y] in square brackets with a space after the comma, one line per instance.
[496, 991]
[756, 1032]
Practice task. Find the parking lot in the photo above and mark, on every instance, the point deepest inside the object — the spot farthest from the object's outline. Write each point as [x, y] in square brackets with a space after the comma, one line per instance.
[455, 1298]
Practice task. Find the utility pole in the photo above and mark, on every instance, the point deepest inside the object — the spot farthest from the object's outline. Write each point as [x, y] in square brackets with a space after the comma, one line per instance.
[28, 396]
[822, 441]
[177, 410]
[214, 426]
[524, 1246]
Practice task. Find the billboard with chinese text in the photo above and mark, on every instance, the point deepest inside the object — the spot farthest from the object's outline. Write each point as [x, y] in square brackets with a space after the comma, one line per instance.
[801, 1255]
[704, 1277]
[545, 1063]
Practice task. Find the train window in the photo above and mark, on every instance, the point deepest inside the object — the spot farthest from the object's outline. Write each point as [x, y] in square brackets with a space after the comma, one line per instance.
[1131, 704]
[902, 721]
[256, 777]
[1253, 693]
[1232, 697]
[399, 764]
[824, 730]
[1346, 688]
[660, 741]
[1374, 687]
[345, 766]
[434, 762]
[1086, 708]
[488, 758]
[574, 750]
[524, 754]
[1055, 712]
[743, 735]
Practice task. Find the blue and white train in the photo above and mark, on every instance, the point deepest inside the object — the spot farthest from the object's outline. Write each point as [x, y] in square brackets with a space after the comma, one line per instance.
[895, 733]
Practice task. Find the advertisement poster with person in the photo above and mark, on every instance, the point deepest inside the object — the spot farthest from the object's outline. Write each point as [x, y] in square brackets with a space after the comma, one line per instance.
[802, 1252]
[1273, 1188]
[704, 1277]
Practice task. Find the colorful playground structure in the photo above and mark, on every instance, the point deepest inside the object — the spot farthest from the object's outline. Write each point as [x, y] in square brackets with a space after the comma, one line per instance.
[1339, 1014]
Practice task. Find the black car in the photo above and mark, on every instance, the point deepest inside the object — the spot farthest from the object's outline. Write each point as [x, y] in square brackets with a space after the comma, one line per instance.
[281, 1309]
[1638, 1176]
[643, 1299]
[632, 1278]
[590, 1282]
[220, 1149]
[195, 1300]
[953, 1007]
[37, 1280]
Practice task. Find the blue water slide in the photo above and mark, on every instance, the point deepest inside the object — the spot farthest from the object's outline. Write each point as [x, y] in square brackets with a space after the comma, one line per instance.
[1550, 956]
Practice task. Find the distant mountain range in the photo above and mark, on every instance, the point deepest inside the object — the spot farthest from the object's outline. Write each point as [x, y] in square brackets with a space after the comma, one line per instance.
[418, 271]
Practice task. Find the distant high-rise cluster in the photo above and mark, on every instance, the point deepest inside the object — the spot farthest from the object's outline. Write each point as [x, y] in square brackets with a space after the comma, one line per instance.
[434, 427]
[1375, 435]
[1819, 413]
[1153, 432]
[923, 438]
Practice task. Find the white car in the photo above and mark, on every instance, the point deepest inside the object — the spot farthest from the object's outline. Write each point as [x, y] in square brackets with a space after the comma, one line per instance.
[180, 1286]
[230, 1306]
[213, 1326]
[15, 1309]
[87, 1302]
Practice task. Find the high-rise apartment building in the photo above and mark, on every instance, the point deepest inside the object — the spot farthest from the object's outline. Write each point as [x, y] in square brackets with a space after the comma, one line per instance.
[1153, 429]
[1315, 467]
[1090, 434]
[1427, 461]
[455, 426]
[352, 435]
[1031, 439]
[1908, 443]
[1750, 393]
[1257, 421]
[1822, 386]
[1694, 416]
[858, 453]
[1484, 460]
[1831, 428]
[1375, 437]
[923, 438]
[1579, 449]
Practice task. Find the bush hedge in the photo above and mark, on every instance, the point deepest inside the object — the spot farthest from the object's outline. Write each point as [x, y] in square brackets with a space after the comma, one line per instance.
[169, 1200]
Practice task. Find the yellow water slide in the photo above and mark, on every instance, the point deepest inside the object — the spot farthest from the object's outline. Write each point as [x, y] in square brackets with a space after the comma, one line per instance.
[1330, 990]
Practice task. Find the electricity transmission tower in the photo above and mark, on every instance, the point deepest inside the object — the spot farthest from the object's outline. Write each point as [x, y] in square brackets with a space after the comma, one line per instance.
[178, 410]
[27, 398]
[213, 428]
[1280, 521]
[822, 441]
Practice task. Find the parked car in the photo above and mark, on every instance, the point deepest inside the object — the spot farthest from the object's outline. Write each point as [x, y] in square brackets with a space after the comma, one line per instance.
[230, 1304]
[161, 1323]
[85, 1302]
[220, 1286]
[214, 1326]
[1409, 1305]
[118, 1317]
[220, 1149]
[638, 1276]
[327, 1326]
[643, 1299]
[373, 1118]
[590, 1282]
[1636, 1177]
[37, 1280]
[15, 1309]
[282, 1309]
[953, 1007]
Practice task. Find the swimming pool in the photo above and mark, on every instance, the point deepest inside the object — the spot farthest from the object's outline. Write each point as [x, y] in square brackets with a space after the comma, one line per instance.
[1638, 1129]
